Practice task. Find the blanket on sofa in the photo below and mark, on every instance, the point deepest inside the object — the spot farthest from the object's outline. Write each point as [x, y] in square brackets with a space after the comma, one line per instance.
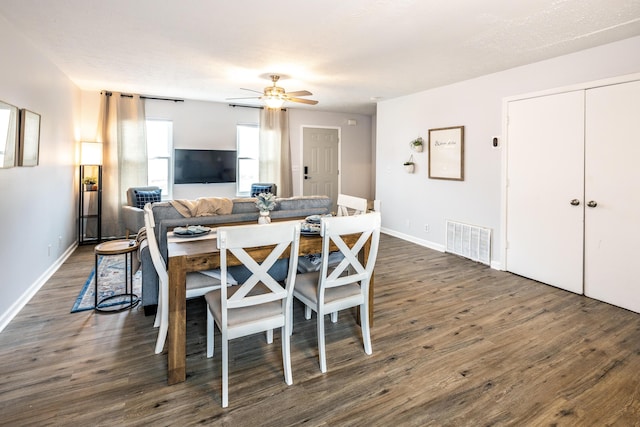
[203, 206]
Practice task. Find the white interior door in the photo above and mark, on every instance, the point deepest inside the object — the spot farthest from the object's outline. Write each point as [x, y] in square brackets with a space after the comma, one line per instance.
[612, 232]
[545, 173]
[320, 162]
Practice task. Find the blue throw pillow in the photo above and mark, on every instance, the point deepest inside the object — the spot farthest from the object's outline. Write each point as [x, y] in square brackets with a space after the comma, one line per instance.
[257, 189]
[149, 196]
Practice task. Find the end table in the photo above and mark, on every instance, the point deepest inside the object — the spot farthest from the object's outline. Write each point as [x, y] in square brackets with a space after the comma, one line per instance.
[117, 247]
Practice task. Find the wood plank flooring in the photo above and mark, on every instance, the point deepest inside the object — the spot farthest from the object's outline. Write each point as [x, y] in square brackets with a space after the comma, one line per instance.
[455, 343]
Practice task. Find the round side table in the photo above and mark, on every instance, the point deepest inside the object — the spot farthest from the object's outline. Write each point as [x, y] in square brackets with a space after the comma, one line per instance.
[117, 247]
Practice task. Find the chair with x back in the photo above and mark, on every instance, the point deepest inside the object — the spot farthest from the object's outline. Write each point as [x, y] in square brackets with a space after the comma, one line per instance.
[197, 284]
[260, 303]
[347, 205]
[345, 285]
[351, 205]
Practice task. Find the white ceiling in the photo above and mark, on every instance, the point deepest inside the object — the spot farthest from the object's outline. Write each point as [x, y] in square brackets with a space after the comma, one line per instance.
[347, 52]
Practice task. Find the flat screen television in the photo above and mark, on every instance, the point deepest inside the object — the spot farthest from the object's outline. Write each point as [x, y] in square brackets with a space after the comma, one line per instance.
[204, 166]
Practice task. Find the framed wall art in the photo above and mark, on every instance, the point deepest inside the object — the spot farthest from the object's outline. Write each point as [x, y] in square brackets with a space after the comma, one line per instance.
[446, 153]
[8, 135]
[29, 138]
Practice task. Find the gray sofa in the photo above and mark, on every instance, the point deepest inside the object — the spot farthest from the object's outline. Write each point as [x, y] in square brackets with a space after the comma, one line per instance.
[166, 218]
[132, 213]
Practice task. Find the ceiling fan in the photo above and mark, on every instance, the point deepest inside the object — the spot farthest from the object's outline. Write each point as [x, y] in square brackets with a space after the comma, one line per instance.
[275, 96]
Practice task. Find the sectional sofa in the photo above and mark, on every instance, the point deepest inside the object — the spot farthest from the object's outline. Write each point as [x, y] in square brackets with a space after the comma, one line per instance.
[166, 218]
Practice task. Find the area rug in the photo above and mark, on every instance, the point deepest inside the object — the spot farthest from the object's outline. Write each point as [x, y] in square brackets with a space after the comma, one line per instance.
[111, 281]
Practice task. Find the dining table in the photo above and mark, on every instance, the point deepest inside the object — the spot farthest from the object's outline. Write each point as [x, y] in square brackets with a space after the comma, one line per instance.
[201, 253]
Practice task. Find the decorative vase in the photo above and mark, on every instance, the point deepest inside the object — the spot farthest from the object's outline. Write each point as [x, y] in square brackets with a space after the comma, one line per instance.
[418, 148]
[88, 187]
[264, 218]
[409, 168]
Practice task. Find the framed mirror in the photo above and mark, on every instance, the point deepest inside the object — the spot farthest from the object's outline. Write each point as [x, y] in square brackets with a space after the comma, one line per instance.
[8, 135]
[29, 138]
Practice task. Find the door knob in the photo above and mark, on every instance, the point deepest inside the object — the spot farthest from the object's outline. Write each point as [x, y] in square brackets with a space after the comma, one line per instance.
[575, 202]
[592, 203]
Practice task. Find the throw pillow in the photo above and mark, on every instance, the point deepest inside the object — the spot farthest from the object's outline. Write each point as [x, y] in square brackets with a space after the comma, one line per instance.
[257, 189]
[148, 196]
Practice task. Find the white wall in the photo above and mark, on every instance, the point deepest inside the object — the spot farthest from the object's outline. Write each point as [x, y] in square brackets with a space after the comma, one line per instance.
[356, 149]
[202, 125]
[212, 125]
[196, 125]
[38, 215]
[410, 201]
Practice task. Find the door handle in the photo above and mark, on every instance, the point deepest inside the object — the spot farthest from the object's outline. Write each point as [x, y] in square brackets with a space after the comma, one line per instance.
[592, 203]
[575, 202]
[306, 177]
[306, 170]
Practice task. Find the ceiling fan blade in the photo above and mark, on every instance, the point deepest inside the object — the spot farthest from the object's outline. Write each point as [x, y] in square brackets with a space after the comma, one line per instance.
[299, 93]
[251, 90]
[303, 101]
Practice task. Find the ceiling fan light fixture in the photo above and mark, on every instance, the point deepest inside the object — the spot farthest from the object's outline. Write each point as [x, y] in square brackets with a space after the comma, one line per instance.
[275, 96]
[273, 101]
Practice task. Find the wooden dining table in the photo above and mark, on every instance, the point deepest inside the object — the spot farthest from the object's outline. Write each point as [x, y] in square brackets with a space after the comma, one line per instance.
[186, 255]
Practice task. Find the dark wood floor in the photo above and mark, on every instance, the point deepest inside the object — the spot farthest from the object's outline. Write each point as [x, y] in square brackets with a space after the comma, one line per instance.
[455, 343]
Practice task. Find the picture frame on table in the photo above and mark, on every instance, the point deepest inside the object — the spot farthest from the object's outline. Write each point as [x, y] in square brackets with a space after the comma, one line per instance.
[446, 153]
[29, 138]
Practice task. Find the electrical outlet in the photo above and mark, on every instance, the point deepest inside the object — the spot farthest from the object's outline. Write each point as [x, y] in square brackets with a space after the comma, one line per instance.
[408, 224]
[59, 242]
[49, 250]
[426, 228]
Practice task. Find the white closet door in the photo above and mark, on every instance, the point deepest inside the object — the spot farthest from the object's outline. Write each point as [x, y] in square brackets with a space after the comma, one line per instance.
[612, 180]
[545, 172]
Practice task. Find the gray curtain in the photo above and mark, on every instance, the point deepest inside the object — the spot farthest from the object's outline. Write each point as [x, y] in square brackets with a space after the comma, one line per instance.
[122, 131]
[275, 150]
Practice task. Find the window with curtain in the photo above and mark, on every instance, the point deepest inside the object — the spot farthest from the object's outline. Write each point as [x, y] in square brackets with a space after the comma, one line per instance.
[248, 146]
[159, 149]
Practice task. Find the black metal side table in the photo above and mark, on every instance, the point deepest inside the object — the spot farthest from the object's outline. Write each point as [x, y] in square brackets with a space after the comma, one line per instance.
[121, 302]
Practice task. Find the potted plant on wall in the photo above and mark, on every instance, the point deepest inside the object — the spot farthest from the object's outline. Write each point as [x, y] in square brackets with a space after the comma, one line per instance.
[89, 182]
[409, 165]
[417, 144]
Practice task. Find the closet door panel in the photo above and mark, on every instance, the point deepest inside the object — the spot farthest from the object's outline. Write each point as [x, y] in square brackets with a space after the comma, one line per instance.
[612, 180]
[545, 172]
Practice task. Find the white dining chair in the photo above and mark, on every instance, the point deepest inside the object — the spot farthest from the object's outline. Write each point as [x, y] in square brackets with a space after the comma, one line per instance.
[346, 284]
[260, 303]
[351, 205]
[198, 283]
[347, 205]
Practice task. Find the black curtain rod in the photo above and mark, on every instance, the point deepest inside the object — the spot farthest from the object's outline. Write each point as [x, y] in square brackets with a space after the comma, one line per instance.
[161, 99]
[251, 106]
[245, 106]
[146, 97]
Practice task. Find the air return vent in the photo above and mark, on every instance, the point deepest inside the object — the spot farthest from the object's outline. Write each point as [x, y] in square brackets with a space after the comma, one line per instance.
[469, 241]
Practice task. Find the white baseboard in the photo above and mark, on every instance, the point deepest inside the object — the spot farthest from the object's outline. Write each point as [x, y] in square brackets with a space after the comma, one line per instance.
[15, 308]
[496, 265]
[412, 239]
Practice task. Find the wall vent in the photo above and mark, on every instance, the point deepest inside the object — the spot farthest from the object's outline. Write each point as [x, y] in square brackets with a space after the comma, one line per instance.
[469, 241]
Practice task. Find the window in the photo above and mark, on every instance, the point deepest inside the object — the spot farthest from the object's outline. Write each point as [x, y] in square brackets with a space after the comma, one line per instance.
[248, 138]
[159, 148]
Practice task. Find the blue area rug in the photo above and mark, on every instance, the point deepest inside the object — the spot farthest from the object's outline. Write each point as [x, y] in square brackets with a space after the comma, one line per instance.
[111, 280]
